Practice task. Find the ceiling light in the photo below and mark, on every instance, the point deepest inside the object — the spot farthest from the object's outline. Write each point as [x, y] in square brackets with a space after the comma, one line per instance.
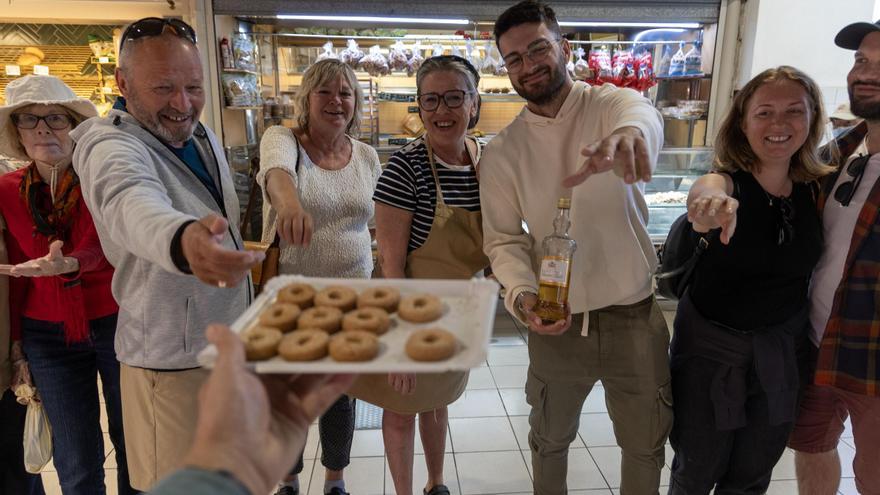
[682, 25]
[359, 18]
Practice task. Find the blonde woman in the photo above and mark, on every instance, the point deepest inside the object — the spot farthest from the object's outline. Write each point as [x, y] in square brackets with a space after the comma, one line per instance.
[318, 181]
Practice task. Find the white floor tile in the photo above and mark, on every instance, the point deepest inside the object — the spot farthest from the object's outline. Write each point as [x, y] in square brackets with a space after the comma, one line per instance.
[515, 401]
[492, 473]
[312, 443]
[367, 443]
[510, 376]
[848, 487]
[782, 487]
[583, 474]
[508, 355]
[361, 477]
[608, 460]
[784, 469]
[591, 492]
[847, 429]
[103, 420]
[597, 430]
[50, 482]
[307, 476]
[477, 403]
[847, 454]
[480, 379]
[110, 460]
[110, 482]
[482, 434]
[420, 476]
[595, 402]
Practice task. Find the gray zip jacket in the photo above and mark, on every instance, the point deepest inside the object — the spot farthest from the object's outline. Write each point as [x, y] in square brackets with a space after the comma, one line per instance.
[139, 194]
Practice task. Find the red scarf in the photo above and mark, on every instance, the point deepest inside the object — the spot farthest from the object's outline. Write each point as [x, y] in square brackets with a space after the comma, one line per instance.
[53, 220]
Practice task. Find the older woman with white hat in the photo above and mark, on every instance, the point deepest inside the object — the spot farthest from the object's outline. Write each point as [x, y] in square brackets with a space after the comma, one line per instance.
[62, 313]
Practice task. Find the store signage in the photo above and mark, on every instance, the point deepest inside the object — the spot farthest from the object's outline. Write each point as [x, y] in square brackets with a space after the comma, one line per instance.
[41, 70]
[13, 70]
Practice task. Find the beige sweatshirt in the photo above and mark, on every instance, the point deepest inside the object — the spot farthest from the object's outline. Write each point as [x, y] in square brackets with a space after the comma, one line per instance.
[521, 177]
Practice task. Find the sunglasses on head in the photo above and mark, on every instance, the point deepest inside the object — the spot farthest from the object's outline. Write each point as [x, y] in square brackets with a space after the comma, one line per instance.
[856, 169]
[155, 26]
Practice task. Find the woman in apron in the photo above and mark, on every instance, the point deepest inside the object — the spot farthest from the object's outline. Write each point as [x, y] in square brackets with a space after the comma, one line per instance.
[428, 225]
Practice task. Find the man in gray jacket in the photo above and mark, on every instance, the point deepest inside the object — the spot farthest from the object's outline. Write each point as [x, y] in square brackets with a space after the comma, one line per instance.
[160, 192]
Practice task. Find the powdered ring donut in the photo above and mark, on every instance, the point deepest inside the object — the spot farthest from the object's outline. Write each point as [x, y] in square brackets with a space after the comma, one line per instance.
[300, 294]
[337, 297]
[261, 342]
[430, 344]
[420, 308]
[373, 320]
[304, 345]
[323, 318]
[354, 345]
[281, 316]
[386, 298]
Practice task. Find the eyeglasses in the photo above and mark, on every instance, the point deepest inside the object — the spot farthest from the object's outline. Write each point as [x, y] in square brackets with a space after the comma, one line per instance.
[536, 52]
[786, 222]
[154, 26]
[856, 169]
[55, 121]
[453, 98]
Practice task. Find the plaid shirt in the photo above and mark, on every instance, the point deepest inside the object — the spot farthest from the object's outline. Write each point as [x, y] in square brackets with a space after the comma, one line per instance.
[849, 354]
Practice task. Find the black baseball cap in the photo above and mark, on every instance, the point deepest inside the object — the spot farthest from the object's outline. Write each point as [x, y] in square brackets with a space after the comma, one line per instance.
[851, 36]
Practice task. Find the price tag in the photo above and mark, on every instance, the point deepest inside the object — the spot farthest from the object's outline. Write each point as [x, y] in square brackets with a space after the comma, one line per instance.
[41, 70]
[13, 70]
[104, 60]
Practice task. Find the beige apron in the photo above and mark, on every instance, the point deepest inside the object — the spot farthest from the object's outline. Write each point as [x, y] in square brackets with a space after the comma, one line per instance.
[453, 250]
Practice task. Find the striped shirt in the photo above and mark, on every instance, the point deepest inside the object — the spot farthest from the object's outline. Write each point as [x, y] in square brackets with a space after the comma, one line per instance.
[407, 183]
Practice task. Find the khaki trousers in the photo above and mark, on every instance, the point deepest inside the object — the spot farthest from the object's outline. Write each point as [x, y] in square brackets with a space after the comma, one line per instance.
[627, 350]
[159, 410]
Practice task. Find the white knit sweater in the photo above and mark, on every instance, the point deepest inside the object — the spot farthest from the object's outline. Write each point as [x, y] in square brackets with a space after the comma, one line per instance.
[339, 201]
[521, 175]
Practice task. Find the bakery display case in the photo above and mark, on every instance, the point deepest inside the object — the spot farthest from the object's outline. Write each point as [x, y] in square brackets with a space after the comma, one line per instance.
[666, 194]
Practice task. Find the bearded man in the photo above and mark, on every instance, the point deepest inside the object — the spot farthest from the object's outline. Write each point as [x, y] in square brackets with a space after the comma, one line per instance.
[594, 145]
[159, 189]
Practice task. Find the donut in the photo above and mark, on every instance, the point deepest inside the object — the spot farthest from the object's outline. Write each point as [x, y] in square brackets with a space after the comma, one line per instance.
[373, 320]
[386, 298]
[261, 342]
[281, 316]
[304, 345]
[324, 318]
[430, 344]
[338, 297]
[300, 294]
[420, 308]
[354, 345]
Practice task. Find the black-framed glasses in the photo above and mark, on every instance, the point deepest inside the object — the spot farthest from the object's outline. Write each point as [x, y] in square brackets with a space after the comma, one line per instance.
[786, 222]
[856, 169]
[453, 98]
[154, 26]
[535, 53]
[55, 121]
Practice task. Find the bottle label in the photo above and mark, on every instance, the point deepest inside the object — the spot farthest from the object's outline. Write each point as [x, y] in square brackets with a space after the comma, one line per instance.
[554, 271]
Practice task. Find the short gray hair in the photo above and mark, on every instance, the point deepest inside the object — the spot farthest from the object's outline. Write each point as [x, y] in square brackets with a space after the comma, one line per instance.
[318, 75]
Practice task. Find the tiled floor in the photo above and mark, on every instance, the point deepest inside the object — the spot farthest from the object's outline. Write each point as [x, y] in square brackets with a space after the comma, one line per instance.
[487, 451]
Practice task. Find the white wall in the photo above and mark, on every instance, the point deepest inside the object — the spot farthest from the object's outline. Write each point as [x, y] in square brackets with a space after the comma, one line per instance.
[801, 33]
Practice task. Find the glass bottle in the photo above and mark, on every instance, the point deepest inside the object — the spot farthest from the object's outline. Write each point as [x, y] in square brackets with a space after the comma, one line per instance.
[555, 274]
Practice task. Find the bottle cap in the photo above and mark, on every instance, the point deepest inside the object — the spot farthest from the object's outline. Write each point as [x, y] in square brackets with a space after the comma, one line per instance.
[564, 203]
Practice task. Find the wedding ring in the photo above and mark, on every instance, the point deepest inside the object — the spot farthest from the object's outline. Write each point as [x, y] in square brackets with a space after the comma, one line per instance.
[221, 284]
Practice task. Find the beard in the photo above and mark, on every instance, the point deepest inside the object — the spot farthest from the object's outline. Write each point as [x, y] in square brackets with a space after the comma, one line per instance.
[153, 123]
[863, 108]
[546, 93]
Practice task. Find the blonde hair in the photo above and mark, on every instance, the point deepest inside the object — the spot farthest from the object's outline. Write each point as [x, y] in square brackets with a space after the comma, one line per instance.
[732, 149]
[318, 75]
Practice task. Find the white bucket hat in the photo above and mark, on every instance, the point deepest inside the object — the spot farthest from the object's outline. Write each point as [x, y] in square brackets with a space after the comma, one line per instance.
[28, 90]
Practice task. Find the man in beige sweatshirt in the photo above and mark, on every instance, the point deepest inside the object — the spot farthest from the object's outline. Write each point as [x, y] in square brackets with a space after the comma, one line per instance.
[594, 144]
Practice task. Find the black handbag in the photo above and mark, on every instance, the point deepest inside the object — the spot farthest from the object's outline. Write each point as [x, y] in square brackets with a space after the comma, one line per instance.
[680, 254]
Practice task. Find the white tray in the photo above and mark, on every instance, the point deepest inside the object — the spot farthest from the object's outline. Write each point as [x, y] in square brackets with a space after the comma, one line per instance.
[468, 312]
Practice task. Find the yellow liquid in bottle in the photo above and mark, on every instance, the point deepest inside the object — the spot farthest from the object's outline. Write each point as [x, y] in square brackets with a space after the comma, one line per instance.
[551, 302]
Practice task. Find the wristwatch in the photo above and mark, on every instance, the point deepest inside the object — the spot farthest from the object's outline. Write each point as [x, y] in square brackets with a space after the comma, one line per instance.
[519, 299]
